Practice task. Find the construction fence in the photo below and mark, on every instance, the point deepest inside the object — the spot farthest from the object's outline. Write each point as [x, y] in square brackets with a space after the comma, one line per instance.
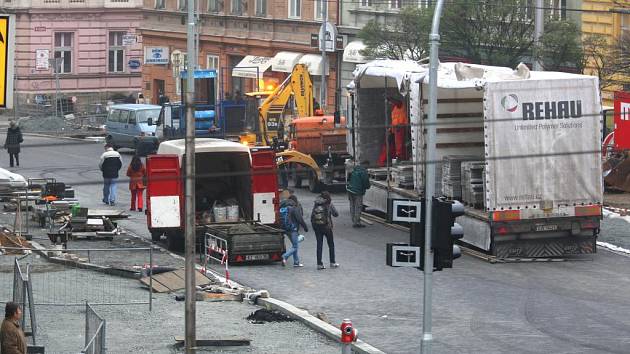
[95, 337]
[73, 277]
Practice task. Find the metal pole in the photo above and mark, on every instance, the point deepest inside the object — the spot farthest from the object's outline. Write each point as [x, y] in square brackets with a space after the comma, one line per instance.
[434, 42]
[322, 88]
[151, 279]
[346, 348]
[539, 25]
[189, 210]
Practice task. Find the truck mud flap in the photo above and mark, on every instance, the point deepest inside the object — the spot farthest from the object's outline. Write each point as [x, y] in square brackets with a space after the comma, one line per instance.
[545, 248]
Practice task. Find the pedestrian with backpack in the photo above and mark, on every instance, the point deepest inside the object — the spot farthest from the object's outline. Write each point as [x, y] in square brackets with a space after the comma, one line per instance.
[321, 220]
[290, 221]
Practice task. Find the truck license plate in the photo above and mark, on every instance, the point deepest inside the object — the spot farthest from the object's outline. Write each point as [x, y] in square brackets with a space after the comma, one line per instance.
[546, 227]
[256, 257]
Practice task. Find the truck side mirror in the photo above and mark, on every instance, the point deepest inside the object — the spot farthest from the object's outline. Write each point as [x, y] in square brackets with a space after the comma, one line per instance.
[150, 121]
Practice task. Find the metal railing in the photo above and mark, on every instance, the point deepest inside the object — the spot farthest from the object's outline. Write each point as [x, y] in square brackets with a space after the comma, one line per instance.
[23, 295]
[94, 332]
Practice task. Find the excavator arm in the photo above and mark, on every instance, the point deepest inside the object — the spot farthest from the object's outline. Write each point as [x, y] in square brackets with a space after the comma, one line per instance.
[270, 112]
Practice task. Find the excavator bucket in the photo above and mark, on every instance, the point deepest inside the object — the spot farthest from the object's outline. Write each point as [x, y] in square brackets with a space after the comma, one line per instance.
[617, 173]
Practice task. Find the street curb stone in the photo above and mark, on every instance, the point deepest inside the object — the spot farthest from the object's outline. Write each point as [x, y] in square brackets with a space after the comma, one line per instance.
[316, 324]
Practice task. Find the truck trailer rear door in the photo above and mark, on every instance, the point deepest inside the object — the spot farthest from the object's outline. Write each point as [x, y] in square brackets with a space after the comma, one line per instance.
[264, 185]
[164, 191]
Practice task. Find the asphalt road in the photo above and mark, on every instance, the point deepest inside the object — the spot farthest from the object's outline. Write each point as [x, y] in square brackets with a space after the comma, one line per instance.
[562, 307]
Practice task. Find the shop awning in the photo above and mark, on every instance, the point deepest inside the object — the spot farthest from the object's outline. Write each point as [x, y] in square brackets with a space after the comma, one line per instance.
[352, 52]
[314, 63]
[252, 66]
[285, 61]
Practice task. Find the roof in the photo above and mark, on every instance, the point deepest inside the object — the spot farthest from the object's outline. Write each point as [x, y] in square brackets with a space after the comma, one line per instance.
[135, 106]
[402, 73]
[178, 147]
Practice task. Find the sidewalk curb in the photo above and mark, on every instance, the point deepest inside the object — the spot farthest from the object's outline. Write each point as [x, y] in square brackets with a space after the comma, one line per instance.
[59, 137]
[315, 323]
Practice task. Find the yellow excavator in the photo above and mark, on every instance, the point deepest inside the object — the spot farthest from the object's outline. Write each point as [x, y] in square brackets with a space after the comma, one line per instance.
[312, 152]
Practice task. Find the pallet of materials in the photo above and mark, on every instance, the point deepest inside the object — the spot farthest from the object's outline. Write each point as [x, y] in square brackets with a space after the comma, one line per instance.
[451, 174]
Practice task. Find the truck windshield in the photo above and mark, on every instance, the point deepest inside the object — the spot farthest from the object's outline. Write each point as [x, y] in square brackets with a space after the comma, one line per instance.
[143, 116]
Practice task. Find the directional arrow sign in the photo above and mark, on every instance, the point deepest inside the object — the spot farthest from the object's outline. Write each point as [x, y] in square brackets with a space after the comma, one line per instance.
[406, 210]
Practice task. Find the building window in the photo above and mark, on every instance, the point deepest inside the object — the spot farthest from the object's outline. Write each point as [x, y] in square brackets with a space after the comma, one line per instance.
[215, 6]
[182, 5]
[237, 7]
[180, 62]
[320, 5]
[116, 53]
[63, 50]
[395, 4]
[295, 8]
[261, 7]
[160, 4]
[366, 3]
[213, 63]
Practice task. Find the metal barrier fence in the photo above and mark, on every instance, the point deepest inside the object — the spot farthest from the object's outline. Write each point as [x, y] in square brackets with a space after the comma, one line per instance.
[94, 332]
[23, 295]
[73, 276]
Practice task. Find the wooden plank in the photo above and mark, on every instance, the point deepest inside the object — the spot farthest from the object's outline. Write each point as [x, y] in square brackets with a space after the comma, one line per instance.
[170, 280]
[227, 342]
[201, 279]
[157, 286]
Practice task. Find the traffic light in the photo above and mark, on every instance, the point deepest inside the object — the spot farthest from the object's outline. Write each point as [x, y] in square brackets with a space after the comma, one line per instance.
[445, 231]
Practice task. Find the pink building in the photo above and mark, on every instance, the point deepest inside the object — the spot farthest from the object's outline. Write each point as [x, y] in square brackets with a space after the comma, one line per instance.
[93, 42]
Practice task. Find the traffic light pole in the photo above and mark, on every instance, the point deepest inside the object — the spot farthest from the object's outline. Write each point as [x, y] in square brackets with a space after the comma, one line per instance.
[434, 43]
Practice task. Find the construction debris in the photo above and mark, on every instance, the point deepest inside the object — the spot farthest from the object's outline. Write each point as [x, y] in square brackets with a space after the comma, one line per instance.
[227, 342]
[10, 239]
[263, 315]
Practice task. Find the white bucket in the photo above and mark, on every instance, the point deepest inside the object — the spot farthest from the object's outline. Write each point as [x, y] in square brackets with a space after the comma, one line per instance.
[220, 214]
[232, 213]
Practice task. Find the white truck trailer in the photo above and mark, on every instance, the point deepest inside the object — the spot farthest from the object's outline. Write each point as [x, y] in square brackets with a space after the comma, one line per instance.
[535, 135]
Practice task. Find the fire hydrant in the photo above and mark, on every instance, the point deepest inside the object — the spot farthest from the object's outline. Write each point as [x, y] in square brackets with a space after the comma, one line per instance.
[349, 334]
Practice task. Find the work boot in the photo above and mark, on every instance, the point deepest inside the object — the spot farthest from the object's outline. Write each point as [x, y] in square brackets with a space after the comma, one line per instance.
[140, 210]
[334, 265]
[320, 267]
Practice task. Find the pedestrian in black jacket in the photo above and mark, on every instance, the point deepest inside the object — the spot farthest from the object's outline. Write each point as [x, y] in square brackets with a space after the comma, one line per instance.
[321, 220]
[12, 143]
[110, 164]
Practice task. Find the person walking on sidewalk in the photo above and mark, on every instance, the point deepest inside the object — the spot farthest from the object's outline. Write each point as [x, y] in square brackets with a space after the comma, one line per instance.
[136, 172]
[12, 340]
[358, 183]
[12, 143]
[321, 221]
[291, 219]
[110, 164]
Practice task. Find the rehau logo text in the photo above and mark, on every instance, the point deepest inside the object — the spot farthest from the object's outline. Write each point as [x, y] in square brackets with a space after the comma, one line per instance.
[552, 110]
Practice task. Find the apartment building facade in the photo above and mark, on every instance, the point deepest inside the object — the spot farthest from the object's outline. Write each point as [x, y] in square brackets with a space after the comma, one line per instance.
[91, 43]
[248, 42]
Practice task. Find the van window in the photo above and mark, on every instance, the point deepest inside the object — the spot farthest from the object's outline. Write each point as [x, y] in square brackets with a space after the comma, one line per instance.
[132, 117]
[144, 115]
[113, 115]
[123, 117]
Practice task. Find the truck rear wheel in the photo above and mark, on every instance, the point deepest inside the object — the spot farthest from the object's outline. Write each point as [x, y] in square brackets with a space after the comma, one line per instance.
[156, 235]
[175, 240]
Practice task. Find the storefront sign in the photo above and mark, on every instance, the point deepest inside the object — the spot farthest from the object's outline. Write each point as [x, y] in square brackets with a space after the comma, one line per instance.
[156, 55]
[41, 59]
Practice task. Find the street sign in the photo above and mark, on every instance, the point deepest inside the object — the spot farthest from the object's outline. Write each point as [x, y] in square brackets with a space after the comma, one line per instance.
[6, 60]
[402, 255]
[41, 59]
[404, 210]
[328, 32]
[156, 55]
[129, 39]
[134, 63]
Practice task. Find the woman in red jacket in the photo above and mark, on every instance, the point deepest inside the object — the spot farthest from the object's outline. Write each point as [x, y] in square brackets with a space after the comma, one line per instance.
[136, 172]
